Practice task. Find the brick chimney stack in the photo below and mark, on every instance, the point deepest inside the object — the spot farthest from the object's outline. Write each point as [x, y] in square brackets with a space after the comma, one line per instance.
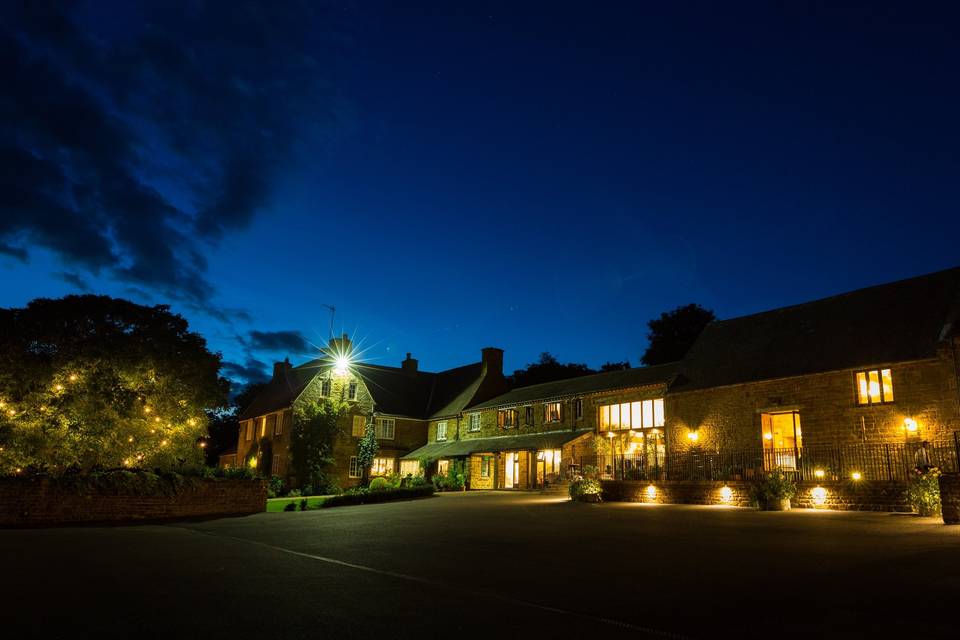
[410, 364]
[280, 369]
[492, 359]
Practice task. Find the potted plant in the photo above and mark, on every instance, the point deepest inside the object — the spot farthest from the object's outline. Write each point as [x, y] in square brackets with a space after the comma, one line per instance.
[924, 492]
[773, 491]
[586, 490]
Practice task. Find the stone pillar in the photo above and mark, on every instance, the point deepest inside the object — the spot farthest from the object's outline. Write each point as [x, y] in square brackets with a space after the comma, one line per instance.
[950, 497]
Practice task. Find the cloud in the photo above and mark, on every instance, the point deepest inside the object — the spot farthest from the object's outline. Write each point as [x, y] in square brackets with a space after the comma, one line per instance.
[130, 152]
[291, 342]
[75, 279]
[252, 371]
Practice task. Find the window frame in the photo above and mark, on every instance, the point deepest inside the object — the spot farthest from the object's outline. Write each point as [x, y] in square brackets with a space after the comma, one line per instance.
[326, 388]
[352, 390]
[278, 426]
[485, 464]
[389, 466]
[437, 437]
[870, 402]
[249, 431]
[471, 418]
[353, 469]
[502, 413]
[380, 430]
[528, 416]
[548, 414]
[578, 409]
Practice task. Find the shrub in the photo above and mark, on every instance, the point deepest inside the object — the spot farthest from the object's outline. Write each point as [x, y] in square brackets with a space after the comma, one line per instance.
[380, 484]
[275, 487]
[924, 493]
[772, 487]
[395, 480]
[303, 504]
[241, 473]
[580, 489]
[294, 493]
[290, 506]
[362, 496]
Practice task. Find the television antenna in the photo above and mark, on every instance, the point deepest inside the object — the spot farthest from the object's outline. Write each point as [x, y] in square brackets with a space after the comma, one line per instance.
[333, 312]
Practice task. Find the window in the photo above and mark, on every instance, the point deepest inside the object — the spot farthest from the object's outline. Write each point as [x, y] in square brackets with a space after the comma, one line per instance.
[277, 425]
[354, 468]
[874, 387]
[352, 391]
[578, 409]
[275, 469]
[249, 430]
[441, 431]
[782, 440]
[386, 428]
[551, 412]
[507, 418]
[410, 468]
[263, 427]
[632, 415]
[528, 417]
[325, 388]
[485, 467]
[359, 426]
[382, 466]
[474, 422]
[443, 466]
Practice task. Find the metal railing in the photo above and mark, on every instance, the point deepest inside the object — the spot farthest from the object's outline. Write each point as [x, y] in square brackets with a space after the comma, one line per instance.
[862, 461]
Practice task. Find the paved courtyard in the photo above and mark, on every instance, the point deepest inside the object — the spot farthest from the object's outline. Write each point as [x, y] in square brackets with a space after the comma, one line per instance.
[495, 565]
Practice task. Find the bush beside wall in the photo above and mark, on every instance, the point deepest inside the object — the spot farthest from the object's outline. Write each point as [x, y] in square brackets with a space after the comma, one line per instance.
[371, 497]
[124, 496]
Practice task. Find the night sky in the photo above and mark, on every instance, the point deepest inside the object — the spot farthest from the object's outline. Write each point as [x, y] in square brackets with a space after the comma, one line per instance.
[544, 178]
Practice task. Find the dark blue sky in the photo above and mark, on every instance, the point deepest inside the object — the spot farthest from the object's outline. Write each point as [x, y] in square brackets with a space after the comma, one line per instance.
[538, 178]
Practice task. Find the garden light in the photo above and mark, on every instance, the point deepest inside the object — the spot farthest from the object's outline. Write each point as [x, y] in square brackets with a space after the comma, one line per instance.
[726, 494]
[651, 492]
[819, 495]
[818, 473]
[73, 377]
[855, 475]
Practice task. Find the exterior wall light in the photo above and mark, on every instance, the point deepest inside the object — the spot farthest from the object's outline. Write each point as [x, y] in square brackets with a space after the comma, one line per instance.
[651, 492]
[693, 435]
[818, 473]
[910, 425]
[819, 495]
[341, 365]
[768, 436]
[856, 475]
[726, 494]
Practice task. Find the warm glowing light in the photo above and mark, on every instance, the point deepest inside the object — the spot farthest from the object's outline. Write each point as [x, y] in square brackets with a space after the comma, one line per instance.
[693, 435]
[819, 473]
[726, 494]
[819, 495]
[910, 424]
[11, 413]
[163, 443]
[156, 419]
[73, 377]
[147, 409]
[610, 434]
[192, 422]
[856, 475]
[130, 439]
[651, 492]
[58, 387]
[203, 445]
[341, 365]
[768, 436]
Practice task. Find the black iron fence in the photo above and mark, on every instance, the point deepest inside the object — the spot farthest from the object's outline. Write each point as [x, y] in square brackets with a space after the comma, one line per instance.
[898, 461]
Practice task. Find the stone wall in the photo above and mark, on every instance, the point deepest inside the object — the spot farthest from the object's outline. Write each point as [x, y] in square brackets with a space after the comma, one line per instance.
[950, 497]
[843, 496]
[28, 502]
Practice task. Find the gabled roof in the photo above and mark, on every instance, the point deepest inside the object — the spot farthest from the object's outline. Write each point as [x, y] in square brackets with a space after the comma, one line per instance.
[395, 391]
[888, 323]
[598, 382]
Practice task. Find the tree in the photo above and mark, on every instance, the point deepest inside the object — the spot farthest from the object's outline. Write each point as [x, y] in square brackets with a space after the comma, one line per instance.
[547, 369]
[223, 425]
[316, 426]
[367, 450]
[674, 332]
[614, 366]
[93, 381]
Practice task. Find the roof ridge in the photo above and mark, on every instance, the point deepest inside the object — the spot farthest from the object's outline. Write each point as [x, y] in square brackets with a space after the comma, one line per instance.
[598, 374]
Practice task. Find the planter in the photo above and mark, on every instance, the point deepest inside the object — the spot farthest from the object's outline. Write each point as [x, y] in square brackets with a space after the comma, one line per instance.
[589, 497]
[776, 504]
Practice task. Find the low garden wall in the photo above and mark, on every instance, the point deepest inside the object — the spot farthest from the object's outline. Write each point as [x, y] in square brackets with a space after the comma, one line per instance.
[124, 497]
[950, 497]
[848, 496]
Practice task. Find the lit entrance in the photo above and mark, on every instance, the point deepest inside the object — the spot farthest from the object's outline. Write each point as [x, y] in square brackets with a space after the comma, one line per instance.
[511, 470]
[548, 466]
[782, 440]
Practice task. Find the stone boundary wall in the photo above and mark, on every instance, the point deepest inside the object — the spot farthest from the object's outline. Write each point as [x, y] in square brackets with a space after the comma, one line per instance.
[842, 496]
[950, 497]
[29, 502]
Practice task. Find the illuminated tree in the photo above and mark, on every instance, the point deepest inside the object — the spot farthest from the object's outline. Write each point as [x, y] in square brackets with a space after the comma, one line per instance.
[367, 450]
[316, 426]
[93, 381]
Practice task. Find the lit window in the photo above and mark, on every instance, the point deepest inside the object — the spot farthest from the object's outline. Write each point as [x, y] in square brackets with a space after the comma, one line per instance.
[875, 386]
[354, 467]
[507, 418]
[359, 426]
[352, 391]
[263, 427]
[386, 428]
[643, 414]
[474, 422]
[249, 430]
[485, 467]
[441, 431]
[442, 467]
[578, 409]
[277, 425]
[382, 466]
[325, 388]
[551, 412]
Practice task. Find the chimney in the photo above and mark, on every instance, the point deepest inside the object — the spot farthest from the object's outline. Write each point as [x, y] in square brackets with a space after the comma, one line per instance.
[280, 369]
[410, 364]
[492, 361]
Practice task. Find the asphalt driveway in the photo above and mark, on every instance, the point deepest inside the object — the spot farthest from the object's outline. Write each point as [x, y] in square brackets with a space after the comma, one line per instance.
[488, 564]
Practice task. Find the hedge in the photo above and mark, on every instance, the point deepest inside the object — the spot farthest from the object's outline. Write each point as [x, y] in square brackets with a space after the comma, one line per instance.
[403, 493]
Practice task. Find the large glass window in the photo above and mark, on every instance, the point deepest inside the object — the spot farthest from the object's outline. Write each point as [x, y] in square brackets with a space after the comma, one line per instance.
[875, 386]
[632, 415]
[382, 466]
[782, 440]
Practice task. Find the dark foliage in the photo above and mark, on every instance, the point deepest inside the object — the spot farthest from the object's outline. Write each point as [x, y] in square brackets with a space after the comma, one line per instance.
[547, 369]
[370, 497]
[674, 332]
[614, 366]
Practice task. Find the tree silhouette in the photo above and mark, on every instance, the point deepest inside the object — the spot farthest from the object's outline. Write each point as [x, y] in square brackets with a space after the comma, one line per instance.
[674, 332]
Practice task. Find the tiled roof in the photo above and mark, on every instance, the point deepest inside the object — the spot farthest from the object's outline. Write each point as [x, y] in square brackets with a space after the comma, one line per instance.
[521, 442]
[609, 381]
[893, 322]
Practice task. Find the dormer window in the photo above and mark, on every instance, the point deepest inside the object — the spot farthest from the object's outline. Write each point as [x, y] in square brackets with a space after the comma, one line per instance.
[874, 387]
